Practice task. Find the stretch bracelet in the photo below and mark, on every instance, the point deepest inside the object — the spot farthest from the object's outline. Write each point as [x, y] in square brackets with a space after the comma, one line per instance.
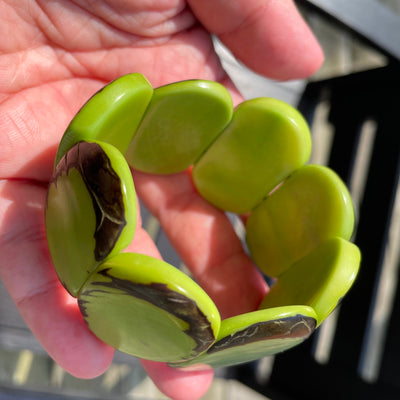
[250, 160]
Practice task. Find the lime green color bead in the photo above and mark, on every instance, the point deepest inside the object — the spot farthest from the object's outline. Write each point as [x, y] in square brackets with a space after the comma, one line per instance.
[312, 205]
[265, 142]
[147, 308]
[250, 336]
[71, 242]
[71, 220]
[319, 280]
[182, 120]
[112, 115]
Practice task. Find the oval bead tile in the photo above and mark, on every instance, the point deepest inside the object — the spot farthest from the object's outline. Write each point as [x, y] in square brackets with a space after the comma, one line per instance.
[182, 120]
[148, 308]
[111, 115]
[90, 211]
[312, 205]
[266, 141]
[250, 336]
[325, 275]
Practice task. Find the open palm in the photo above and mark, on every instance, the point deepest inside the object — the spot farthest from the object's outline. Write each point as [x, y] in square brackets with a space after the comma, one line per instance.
[56, 55]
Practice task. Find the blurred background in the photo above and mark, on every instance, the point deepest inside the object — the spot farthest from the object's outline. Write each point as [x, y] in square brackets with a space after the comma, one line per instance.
[352, 106]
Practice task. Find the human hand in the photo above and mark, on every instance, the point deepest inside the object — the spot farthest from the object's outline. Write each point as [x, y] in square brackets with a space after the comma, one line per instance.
[58, 54]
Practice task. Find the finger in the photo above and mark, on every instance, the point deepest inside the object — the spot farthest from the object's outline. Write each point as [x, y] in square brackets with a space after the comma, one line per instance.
[178, 384]
[269, 36]
[205, 240]
[27, 271]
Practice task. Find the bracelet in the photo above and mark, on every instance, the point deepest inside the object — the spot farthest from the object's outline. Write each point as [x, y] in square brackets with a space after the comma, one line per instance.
[249, 160]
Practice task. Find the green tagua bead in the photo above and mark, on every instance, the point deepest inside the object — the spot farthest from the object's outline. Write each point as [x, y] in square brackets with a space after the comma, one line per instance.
[182, 120]
[112, 115]
[312, 205]
[326, 274]
[250, 160]
[148, 308]
[250, 336]
[264, 143]
[90, 212]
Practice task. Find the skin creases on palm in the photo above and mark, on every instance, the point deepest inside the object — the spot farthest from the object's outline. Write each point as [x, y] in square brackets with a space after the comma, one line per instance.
[249, 160]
